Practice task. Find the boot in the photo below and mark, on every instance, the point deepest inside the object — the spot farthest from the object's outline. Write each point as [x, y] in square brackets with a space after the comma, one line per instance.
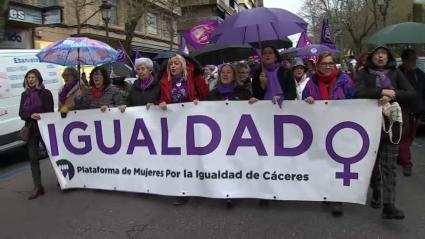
[407, 170]
[376, 199]
[229, 204]
[180, 201]
[391, 212]
[263, 203]
[36, 192]
[337, 209]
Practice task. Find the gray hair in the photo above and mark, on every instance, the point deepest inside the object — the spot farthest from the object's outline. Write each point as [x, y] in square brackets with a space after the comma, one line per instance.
[144, 61]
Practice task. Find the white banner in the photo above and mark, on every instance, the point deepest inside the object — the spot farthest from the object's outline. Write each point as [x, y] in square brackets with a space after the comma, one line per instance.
[319, 152]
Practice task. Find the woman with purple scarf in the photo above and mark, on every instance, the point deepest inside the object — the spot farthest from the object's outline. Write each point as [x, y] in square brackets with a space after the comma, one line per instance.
[70, 89]
[146, 89]
[328, 83]
[34, 100]
[227, 87]
[380, 79]
[273, 81]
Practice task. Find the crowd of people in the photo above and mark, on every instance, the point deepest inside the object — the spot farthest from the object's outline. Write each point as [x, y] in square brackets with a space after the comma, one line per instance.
[375, 76]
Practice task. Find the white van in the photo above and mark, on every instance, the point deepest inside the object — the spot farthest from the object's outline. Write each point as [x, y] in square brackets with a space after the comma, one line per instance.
[14, 64]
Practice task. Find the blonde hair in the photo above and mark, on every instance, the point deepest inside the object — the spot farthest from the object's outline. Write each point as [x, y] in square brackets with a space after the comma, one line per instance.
[235, 73]
[182, 62]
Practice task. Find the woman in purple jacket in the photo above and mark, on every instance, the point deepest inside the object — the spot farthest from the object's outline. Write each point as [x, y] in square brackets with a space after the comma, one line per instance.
[329, 83]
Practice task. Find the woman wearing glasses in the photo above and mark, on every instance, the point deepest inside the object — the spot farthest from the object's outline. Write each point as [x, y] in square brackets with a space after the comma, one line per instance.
[328, 83]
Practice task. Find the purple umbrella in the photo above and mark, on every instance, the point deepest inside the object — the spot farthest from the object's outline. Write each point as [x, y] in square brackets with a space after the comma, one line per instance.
[315, 50]
[257, 25]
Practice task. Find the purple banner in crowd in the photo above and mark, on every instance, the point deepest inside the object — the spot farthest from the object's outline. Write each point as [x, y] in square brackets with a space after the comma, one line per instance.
[304, 40]
[198, 36]
[326, 38]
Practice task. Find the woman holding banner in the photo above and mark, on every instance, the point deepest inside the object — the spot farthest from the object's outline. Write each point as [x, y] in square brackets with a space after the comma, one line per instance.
[380, 79]
[34, 100]
[146, 89]
[182, 82]
[328, 83]
[227, 86]
[273, 81]
[228, 89]
[101, 95]
[68, 92]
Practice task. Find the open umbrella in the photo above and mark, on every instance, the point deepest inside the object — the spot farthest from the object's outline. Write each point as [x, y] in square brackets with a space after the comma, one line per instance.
[218, 54]
[278, 44]
[75, 51]
[406, 32]
[257, 25]
[315, 50]
[117, 69]
[164, 55]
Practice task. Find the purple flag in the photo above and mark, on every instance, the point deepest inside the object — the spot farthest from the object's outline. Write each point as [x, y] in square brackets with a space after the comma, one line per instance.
[303, 41]
[121, 53]
[326, 38]
[183, 46]
[198, 36]
[137, 55]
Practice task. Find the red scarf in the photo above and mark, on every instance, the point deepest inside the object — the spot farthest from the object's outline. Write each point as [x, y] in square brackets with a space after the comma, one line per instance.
[97, 92]
[329, 80]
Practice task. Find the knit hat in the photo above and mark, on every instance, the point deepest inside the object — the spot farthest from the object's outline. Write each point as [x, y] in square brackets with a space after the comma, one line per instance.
[298, 62]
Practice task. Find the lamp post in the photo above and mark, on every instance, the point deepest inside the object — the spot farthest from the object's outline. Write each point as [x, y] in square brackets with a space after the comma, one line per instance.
[383, 7]
[105, 9]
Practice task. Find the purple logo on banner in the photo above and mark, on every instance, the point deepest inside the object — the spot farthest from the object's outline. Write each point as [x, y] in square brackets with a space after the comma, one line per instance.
[326, 38]
[198, 36]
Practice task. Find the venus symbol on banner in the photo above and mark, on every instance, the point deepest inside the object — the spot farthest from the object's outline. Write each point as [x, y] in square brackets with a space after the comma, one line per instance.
[347, 175]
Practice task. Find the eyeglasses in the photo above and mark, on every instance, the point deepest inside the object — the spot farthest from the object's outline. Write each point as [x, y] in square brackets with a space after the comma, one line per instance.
[243, 72]
[327, 64]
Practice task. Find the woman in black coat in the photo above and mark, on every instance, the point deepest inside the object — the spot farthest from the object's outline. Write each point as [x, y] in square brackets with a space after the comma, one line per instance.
[227, 87]
[34, 100]
[273, 81]
[381, 80]
[146, 89]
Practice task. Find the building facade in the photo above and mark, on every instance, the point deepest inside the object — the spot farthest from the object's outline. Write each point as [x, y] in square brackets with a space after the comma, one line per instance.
[155, 31]
[196, 11]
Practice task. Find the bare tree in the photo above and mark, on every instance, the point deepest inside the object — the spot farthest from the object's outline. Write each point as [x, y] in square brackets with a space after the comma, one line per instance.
[355, 18]
[136, 10]
[174, 7]
[79, 6]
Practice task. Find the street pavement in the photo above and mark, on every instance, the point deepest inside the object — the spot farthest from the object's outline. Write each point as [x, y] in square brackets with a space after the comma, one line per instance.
[106, 214]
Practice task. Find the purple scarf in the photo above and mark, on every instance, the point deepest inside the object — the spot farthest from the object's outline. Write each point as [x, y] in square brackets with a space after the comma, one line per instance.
[382, 80]
[66, 89]
[179, 91]
[33, 102]
[226, 89]
[144, 84]
[273, 87]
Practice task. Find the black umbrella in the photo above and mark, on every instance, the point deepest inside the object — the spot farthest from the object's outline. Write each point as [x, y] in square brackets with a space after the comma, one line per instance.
[219, 54]
[278, 44]
[164, 55]
[118, 69]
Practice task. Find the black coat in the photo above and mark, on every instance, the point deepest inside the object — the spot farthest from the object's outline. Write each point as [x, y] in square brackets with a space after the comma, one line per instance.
[417, 80]
[286, 82]
[365, 88]
[239, 94]
[139, 97]
[46, 98]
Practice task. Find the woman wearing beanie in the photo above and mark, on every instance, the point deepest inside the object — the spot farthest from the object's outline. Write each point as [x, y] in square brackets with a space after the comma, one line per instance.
[380, 79]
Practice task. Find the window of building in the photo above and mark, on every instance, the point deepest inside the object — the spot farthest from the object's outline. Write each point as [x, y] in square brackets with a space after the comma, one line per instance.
[152, 23]
[167, 27]
[114, 12]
